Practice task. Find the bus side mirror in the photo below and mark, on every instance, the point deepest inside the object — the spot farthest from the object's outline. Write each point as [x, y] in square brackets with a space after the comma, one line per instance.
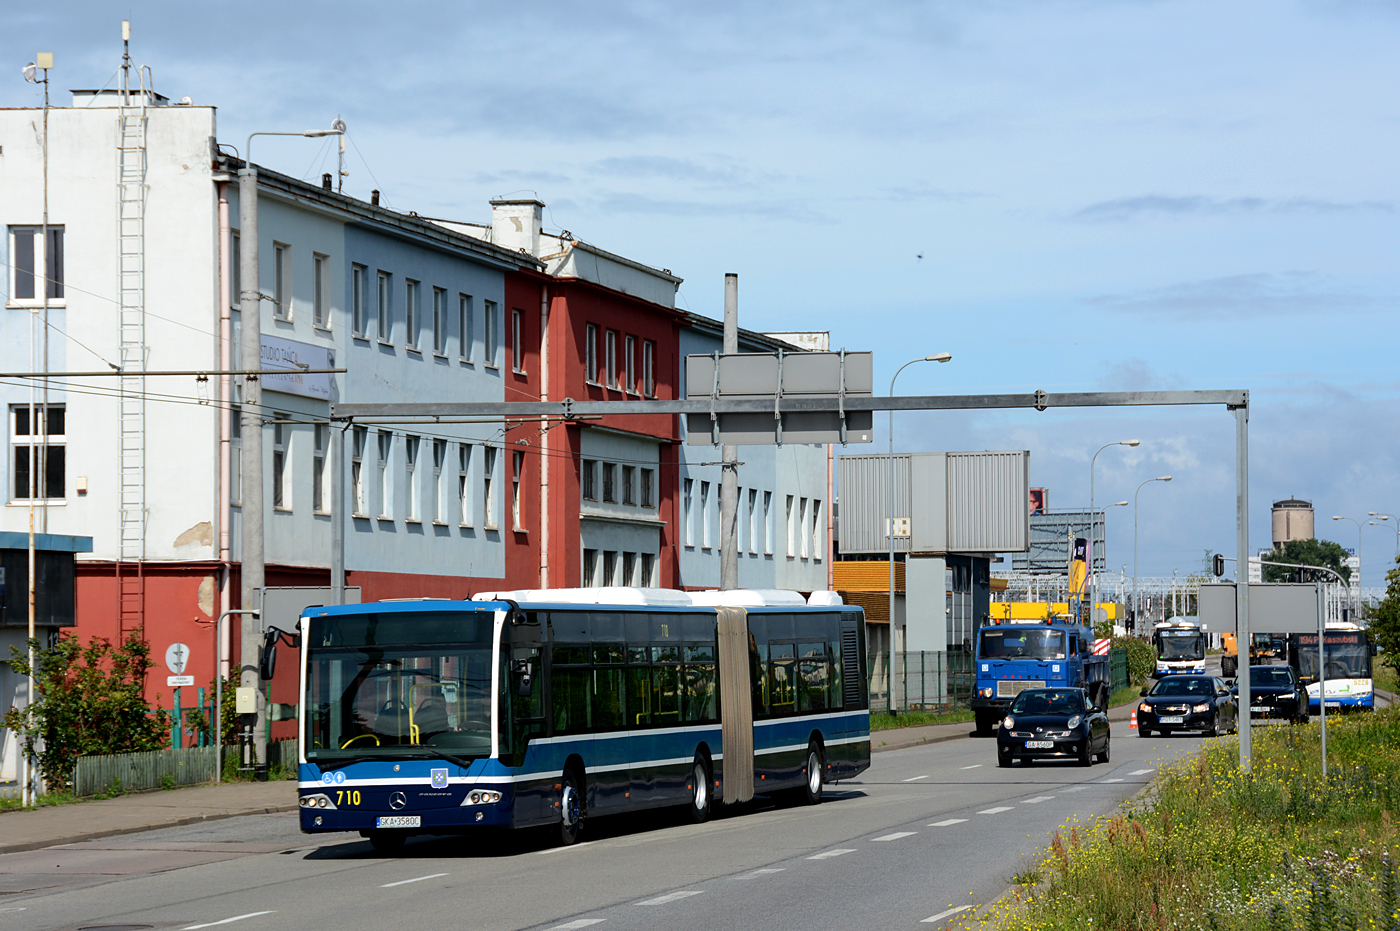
[267, 656]
[524, 679]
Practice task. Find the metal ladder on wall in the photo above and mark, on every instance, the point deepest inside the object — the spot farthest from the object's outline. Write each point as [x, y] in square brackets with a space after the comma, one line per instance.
[131, 338]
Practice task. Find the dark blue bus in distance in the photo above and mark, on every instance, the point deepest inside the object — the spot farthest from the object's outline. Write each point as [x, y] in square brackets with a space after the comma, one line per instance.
[551, 707]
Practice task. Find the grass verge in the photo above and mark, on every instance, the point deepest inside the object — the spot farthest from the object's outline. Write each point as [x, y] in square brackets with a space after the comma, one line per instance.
[886, 722]
[1210, 848]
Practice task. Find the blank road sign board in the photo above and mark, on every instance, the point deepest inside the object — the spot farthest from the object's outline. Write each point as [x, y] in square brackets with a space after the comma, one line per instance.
[830, 376]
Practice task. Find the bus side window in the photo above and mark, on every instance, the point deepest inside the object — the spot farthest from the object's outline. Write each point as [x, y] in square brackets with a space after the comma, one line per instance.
[699, 679]
[758, 677]
[571, 687]
[666, 684]
[637, 697]
[782, 679]
[814, 677]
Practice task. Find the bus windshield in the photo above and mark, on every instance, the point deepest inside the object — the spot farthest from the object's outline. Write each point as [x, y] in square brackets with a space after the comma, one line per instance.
[1037, 644]
[1180, 644]
[384, 685]
[1348, 656]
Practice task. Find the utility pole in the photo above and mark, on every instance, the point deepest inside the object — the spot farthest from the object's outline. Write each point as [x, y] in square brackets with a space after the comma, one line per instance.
[729, 478]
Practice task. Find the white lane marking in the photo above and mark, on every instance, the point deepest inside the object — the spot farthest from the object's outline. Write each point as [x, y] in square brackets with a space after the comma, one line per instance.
[671, 897]
[1104, 782]
[578, 923]
[539, 853]
[762, 872]
[1037, 799]
[944, 824]
[948, 914]
[915, 778]
[1076, 788]
[832, 853]
[416, 879]
[993, 811]
[897, 835]
[210, 924]
[973, 766]
[1141, 772]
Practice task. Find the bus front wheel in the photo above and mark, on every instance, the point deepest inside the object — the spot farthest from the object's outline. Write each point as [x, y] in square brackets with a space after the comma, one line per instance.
[570, 808]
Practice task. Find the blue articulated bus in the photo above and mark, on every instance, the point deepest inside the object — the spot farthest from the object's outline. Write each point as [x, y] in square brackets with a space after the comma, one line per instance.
[1014, 657]
[440, 717]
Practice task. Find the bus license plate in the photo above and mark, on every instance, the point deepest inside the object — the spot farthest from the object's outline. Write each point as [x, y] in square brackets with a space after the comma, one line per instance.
[1258, 709]
[1173, 719]
[1334, 704]
[399, 821]
[1040, 745]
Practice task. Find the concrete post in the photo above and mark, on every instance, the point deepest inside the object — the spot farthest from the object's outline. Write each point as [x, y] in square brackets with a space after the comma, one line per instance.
[729, 479]
[339, 514]
[1242, 636]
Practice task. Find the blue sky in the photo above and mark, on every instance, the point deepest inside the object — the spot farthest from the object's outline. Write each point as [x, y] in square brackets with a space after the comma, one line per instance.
[1065, 195]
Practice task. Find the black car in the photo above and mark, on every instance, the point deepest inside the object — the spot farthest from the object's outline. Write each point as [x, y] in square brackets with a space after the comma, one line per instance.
[1186, 703]
[1053, 724]
[1275, 692]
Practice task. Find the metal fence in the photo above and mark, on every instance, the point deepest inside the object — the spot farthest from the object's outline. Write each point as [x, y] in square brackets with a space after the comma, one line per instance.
[134, 772]
[923, 681]
[1118, 668]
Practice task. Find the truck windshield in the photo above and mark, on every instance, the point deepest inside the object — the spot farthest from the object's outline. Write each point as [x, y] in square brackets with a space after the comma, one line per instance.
[391, 686]
[1348, 657]
[1180, 644]
[1037, 643]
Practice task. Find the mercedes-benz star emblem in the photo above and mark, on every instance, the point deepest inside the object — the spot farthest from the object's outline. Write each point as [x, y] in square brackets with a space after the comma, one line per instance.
[397, 801]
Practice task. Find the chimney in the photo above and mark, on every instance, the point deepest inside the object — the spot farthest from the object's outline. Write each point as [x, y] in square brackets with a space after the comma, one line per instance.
[326, 181]
[515, 225]
[374, 198]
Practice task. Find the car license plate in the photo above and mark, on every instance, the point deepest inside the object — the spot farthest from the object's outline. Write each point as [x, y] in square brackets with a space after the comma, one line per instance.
[1172, 719]
[1334, 704]
[1258, 709]
[399, 821]
[1040, 745]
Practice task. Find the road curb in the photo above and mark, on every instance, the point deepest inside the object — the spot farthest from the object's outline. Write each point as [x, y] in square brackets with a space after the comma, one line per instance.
[140, 829]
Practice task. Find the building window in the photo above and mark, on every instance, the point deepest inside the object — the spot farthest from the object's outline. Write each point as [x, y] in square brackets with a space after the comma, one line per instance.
[649, 369]
[358, 438]
[281, 494]
[410, 468]
[648, 488]
[464, 498]
[519, 467]
[439, 505]
[802, 528]
[517, 341]
[386, 488]
[412, 318]
[489, 351]
[590, 353]
[629, 568]
[818, 531]
[788, 516]
[588, 480]
[385, 311]
[27, 258]
[648, 568]
[318, 291]
[753, 526]
[358, 315]
[610, 348]
[439, 321]
[629, 482]
[609, 483]
[590, 568]
[629, 364]
[235, 456]
[466, 331]
[610, 567]
[768, 523]
[320, 502]
[688, 501]
[705, 515]
[282, 281]
[40, 452]
[236, 272]
[488, 495]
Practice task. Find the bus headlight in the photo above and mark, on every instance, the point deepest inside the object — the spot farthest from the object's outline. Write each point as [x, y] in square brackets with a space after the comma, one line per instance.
[319, 800]
[481, 797]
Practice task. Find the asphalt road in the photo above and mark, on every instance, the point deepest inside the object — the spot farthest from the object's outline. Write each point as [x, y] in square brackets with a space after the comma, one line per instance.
[926, 830]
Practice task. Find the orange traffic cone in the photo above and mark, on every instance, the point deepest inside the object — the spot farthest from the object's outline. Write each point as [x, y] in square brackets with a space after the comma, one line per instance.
[1132, 722]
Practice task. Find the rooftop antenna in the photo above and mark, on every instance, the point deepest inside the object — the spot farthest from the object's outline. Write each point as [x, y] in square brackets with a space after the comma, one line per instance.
[126, 62]
[341, 173]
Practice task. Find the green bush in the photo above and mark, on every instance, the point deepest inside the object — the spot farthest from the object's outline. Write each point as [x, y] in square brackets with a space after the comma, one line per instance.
[1142, 658]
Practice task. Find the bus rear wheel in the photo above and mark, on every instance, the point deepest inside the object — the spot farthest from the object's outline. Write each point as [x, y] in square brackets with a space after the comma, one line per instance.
[701, 799]
[812, 788]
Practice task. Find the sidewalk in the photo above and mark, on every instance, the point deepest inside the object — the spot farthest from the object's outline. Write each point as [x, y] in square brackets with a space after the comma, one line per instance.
[903, 737]
[143, 811]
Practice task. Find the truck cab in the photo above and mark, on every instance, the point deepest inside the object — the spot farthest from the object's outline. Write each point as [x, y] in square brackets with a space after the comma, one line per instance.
[1011, 658]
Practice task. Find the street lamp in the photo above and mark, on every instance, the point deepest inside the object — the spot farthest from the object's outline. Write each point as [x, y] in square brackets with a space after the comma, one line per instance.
[250, 305]
[1093, 577]
[1357, 585]
[1137, 602]
[1397, 527]
[936, 357]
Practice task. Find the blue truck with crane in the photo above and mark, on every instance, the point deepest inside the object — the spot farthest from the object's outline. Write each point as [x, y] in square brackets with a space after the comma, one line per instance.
[1013, 657]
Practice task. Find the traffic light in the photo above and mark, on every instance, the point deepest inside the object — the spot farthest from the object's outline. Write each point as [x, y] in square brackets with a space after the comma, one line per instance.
[1218, 566]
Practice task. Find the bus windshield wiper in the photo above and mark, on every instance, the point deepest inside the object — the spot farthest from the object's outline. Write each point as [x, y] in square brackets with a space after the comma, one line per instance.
[338, 762]
[435, 752]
